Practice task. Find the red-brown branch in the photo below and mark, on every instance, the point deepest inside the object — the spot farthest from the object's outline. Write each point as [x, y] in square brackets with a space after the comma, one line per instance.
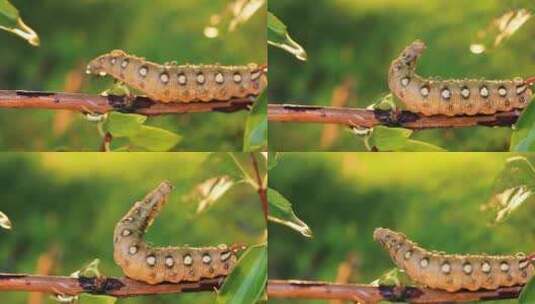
[117, 287]
[87, 103]
[371, 294]
[262, 191]
[364, 118]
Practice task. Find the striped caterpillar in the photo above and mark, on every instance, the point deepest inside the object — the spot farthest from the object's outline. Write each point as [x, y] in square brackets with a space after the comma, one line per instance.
[153, 265]
[453, 97]
[181, 83]
[454, 272]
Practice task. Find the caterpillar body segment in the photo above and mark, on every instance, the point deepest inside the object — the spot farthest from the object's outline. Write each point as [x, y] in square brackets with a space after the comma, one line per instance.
[454, 272]
[153, 265]
[181, 83]
[456, 96]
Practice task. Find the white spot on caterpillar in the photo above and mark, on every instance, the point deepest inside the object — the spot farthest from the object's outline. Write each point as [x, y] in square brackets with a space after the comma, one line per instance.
[523, 264]
[521, 89]
[445, 268]
[102, 73]
[143, 71]
[132, 250]
[151, 260]
[225, 255]
[502, 91]
[237, 77]
[188, 260]
[124, 63]
[164, 77]
[405, 81]
[465, 92]
[126, 232]
[485, 267]
[206, 258]
[467, 268]
[424, 262]
[219, 78]
[504, 266]
[169, 262]
[407, 255]
[424, 91]
[484, 92]
[445, 93]
[113, 60]
[255, 75]
[182, 79]
[200, 78]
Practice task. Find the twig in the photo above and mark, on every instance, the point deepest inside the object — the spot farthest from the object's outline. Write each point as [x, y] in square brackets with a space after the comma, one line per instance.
[262, 192]
[364, 118]
[106, 142]
[117, 287]
[86, 103]
[371, 294]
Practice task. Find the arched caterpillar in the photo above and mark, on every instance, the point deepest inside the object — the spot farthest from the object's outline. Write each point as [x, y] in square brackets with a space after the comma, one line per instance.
[454, 272]
[453, 97]
[181, 83]
[153, 265]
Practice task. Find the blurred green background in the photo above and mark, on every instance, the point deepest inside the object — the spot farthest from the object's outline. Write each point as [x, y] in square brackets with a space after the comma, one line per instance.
[350, 45]
[64, 207]
[74, 32]
[433, 198]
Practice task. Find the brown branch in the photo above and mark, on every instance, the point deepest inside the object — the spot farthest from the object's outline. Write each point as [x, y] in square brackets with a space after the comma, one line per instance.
[371, 294]
[86, 103]
[364, 118]
[262, 192]
[117, 287]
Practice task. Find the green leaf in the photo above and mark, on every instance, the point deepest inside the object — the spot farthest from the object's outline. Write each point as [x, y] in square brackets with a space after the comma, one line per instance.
[278, 36]
[393, 277]
[93, 299]
[124, 125]
[247, 282]
[398, 139]
[255, 137]
[155, 139]
[280, 211]
[514, 186]
[527, 296]
[4, 221]
[523, 138]
[273, 159]
[10, 21]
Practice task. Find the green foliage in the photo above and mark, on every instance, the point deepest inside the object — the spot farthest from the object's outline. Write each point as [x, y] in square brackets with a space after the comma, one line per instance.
[278, 36]
[93, 299]
[247, 281]
[280, 211]
[355, 41]
[255, 137]
[523, 137]
[10, 21]
[528, 293]
[139, 136]
[83, 32]
[70, 204]
[434, 198]
[397, 139]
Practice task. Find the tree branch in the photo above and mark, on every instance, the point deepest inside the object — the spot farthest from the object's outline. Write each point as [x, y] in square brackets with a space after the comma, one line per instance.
[86, 103]
[117, 287]
[371, 294]
[364, 118]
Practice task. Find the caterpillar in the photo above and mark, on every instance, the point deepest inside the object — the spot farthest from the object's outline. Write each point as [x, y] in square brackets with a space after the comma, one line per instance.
[181, 83]
[153, 265]
[454, 272]
[455, 96]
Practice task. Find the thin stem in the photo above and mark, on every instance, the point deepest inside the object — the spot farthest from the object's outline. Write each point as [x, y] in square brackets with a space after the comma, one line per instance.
[366, 118]
[262, 191]
[97, 104]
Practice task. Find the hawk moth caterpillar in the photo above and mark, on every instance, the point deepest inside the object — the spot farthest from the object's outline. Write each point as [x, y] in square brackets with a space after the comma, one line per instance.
[455, 96]
[454, 272]
[181, 83]
[143, 262]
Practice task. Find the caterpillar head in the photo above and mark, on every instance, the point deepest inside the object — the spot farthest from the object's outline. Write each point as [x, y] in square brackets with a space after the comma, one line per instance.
[102, 64]
[410, 54]
[388, 238]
